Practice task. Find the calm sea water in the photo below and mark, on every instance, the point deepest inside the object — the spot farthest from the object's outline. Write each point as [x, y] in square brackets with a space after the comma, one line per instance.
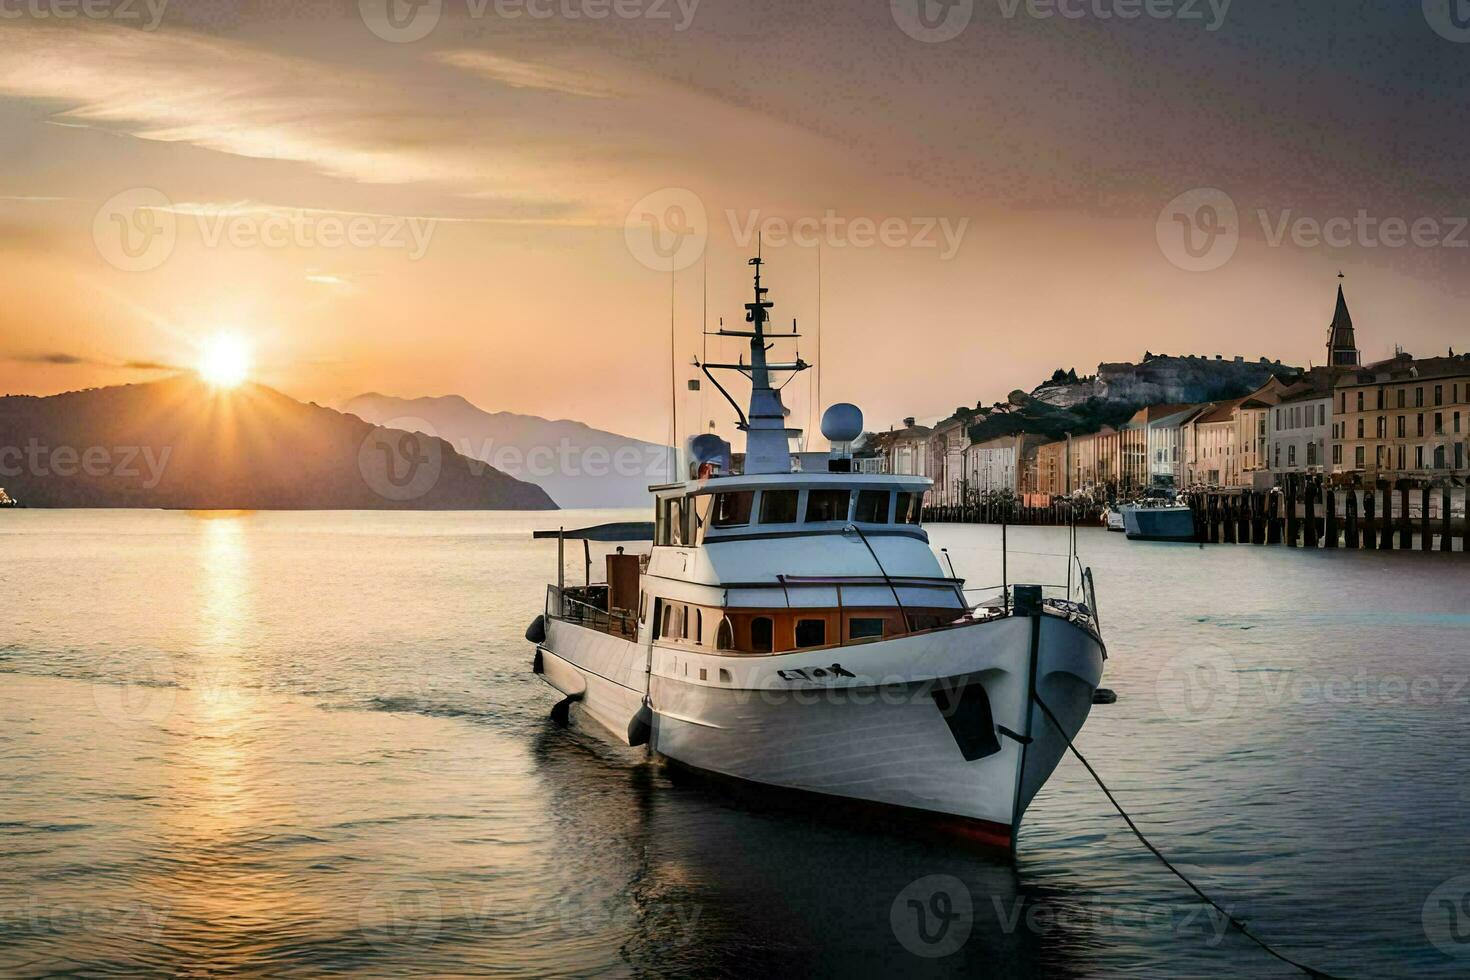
[302, 743]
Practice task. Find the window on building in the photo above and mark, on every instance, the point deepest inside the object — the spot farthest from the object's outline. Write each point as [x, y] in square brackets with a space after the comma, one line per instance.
[1420, 421]
[1418, 457]
[827, 505]
[1322, 411]
[1337, 455]
[1311, 454]
[1360, 428]
[1360, 401]
[1459, 455]
[1380, 397]
[1402, 422]
[872, 507]
[1359, 456]
[865, 628]
[1439, 457]
[1382, 427]
[1401, 457]
[811, 632]
[1439, 423]
[1278, 456]
[762, 634]
[733, 509]
[1457, 421]
[1419, 397]
[1291, 455]
[778, 506]
[1401, 398]
[1439, 394]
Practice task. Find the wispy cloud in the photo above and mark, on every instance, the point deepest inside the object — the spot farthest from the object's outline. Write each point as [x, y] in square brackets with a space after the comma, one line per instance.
[67, 359]
[525, 74]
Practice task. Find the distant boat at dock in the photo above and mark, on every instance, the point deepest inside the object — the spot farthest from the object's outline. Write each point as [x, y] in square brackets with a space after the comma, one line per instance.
[1158, 521]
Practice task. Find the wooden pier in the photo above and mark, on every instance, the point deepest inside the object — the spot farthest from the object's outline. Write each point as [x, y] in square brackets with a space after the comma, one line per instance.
[1309, 514]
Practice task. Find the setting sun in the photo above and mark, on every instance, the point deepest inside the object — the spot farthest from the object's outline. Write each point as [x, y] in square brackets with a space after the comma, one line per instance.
[224, 361]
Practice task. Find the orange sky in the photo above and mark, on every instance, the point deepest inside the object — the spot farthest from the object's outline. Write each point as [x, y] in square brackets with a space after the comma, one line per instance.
[450, 214]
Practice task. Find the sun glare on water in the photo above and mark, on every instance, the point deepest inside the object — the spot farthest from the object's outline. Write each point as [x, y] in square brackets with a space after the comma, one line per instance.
[224, 361]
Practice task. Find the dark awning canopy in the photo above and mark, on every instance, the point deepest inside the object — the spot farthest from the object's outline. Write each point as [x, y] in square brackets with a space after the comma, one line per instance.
[625, 531]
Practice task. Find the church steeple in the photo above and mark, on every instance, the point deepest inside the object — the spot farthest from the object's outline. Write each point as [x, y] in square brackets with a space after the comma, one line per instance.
[1342, 345]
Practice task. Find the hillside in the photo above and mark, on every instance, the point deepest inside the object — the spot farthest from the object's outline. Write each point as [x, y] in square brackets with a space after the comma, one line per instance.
[577, 465]
[1067, 403]
[1162, 379]
[178, 443]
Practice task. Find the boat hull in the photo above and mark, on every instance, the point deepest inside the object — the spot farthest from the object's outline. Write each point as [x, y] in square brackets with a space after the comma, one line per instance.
[1159, 523]
[941, 724]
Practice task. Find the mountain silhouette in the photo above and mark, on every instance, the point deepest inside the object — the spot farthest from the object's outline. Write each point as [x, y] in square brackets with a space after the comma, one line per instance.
[178, 443]
[579, 466]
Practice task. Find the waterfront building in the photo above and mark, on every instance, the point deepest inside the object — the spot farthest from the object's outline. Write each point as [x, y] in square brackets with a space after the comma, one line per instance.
[1095, 462]
[1000, 464]
[1163, 443]
[1053, 461]
[908, 449]
[1403, 418]
[947, 443]
[1302, 427]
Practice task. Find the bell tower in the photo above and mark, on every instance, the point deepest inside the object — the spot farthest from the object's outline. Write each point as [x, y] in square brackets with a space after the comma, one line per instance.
[1342, 345]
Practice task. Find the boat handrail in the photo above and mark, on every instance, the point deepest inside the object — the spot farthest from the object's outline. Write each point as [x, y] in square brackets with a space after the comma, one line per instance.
[561, 606]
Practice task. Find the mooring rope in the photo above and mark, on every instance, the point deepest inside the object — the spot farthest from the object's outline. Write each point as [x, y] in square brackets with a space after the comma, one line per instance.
[1236, 923]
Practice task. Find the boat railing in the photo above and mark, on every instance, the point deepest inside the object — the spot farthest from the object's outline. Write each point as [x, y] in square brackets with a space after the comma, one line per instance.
[562, 604]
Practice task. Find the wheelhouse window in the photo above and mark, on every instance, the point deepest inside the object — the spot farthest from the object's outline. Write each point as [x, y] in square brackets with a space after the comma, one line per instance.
[811, 633]
[762, 634]
[910, 508]
[725, 635]
[779, 506]
[865, 628]
[827, 505]
[732, 509]
[872, 507]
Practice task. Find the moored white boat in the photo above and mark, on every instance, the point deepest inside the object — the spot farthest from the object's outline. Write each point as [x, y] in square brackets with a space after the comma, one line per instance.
[792, 629]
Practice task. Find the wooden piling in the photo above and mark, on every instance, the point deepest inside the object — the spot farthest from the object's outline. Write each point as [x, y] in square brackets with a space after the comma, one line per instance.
[1370, 529]
[1426, 530]
[1406, 523]
[1273, 521]
[1350, 520]
[1310, 500]
[1446, 528]
[1291, 528]
[1329, 507]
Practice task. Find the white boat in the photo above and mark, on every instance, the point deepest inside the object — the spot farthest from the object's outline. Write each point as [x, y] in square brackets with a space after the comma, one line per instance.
[1115, 518]
[792, 629]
